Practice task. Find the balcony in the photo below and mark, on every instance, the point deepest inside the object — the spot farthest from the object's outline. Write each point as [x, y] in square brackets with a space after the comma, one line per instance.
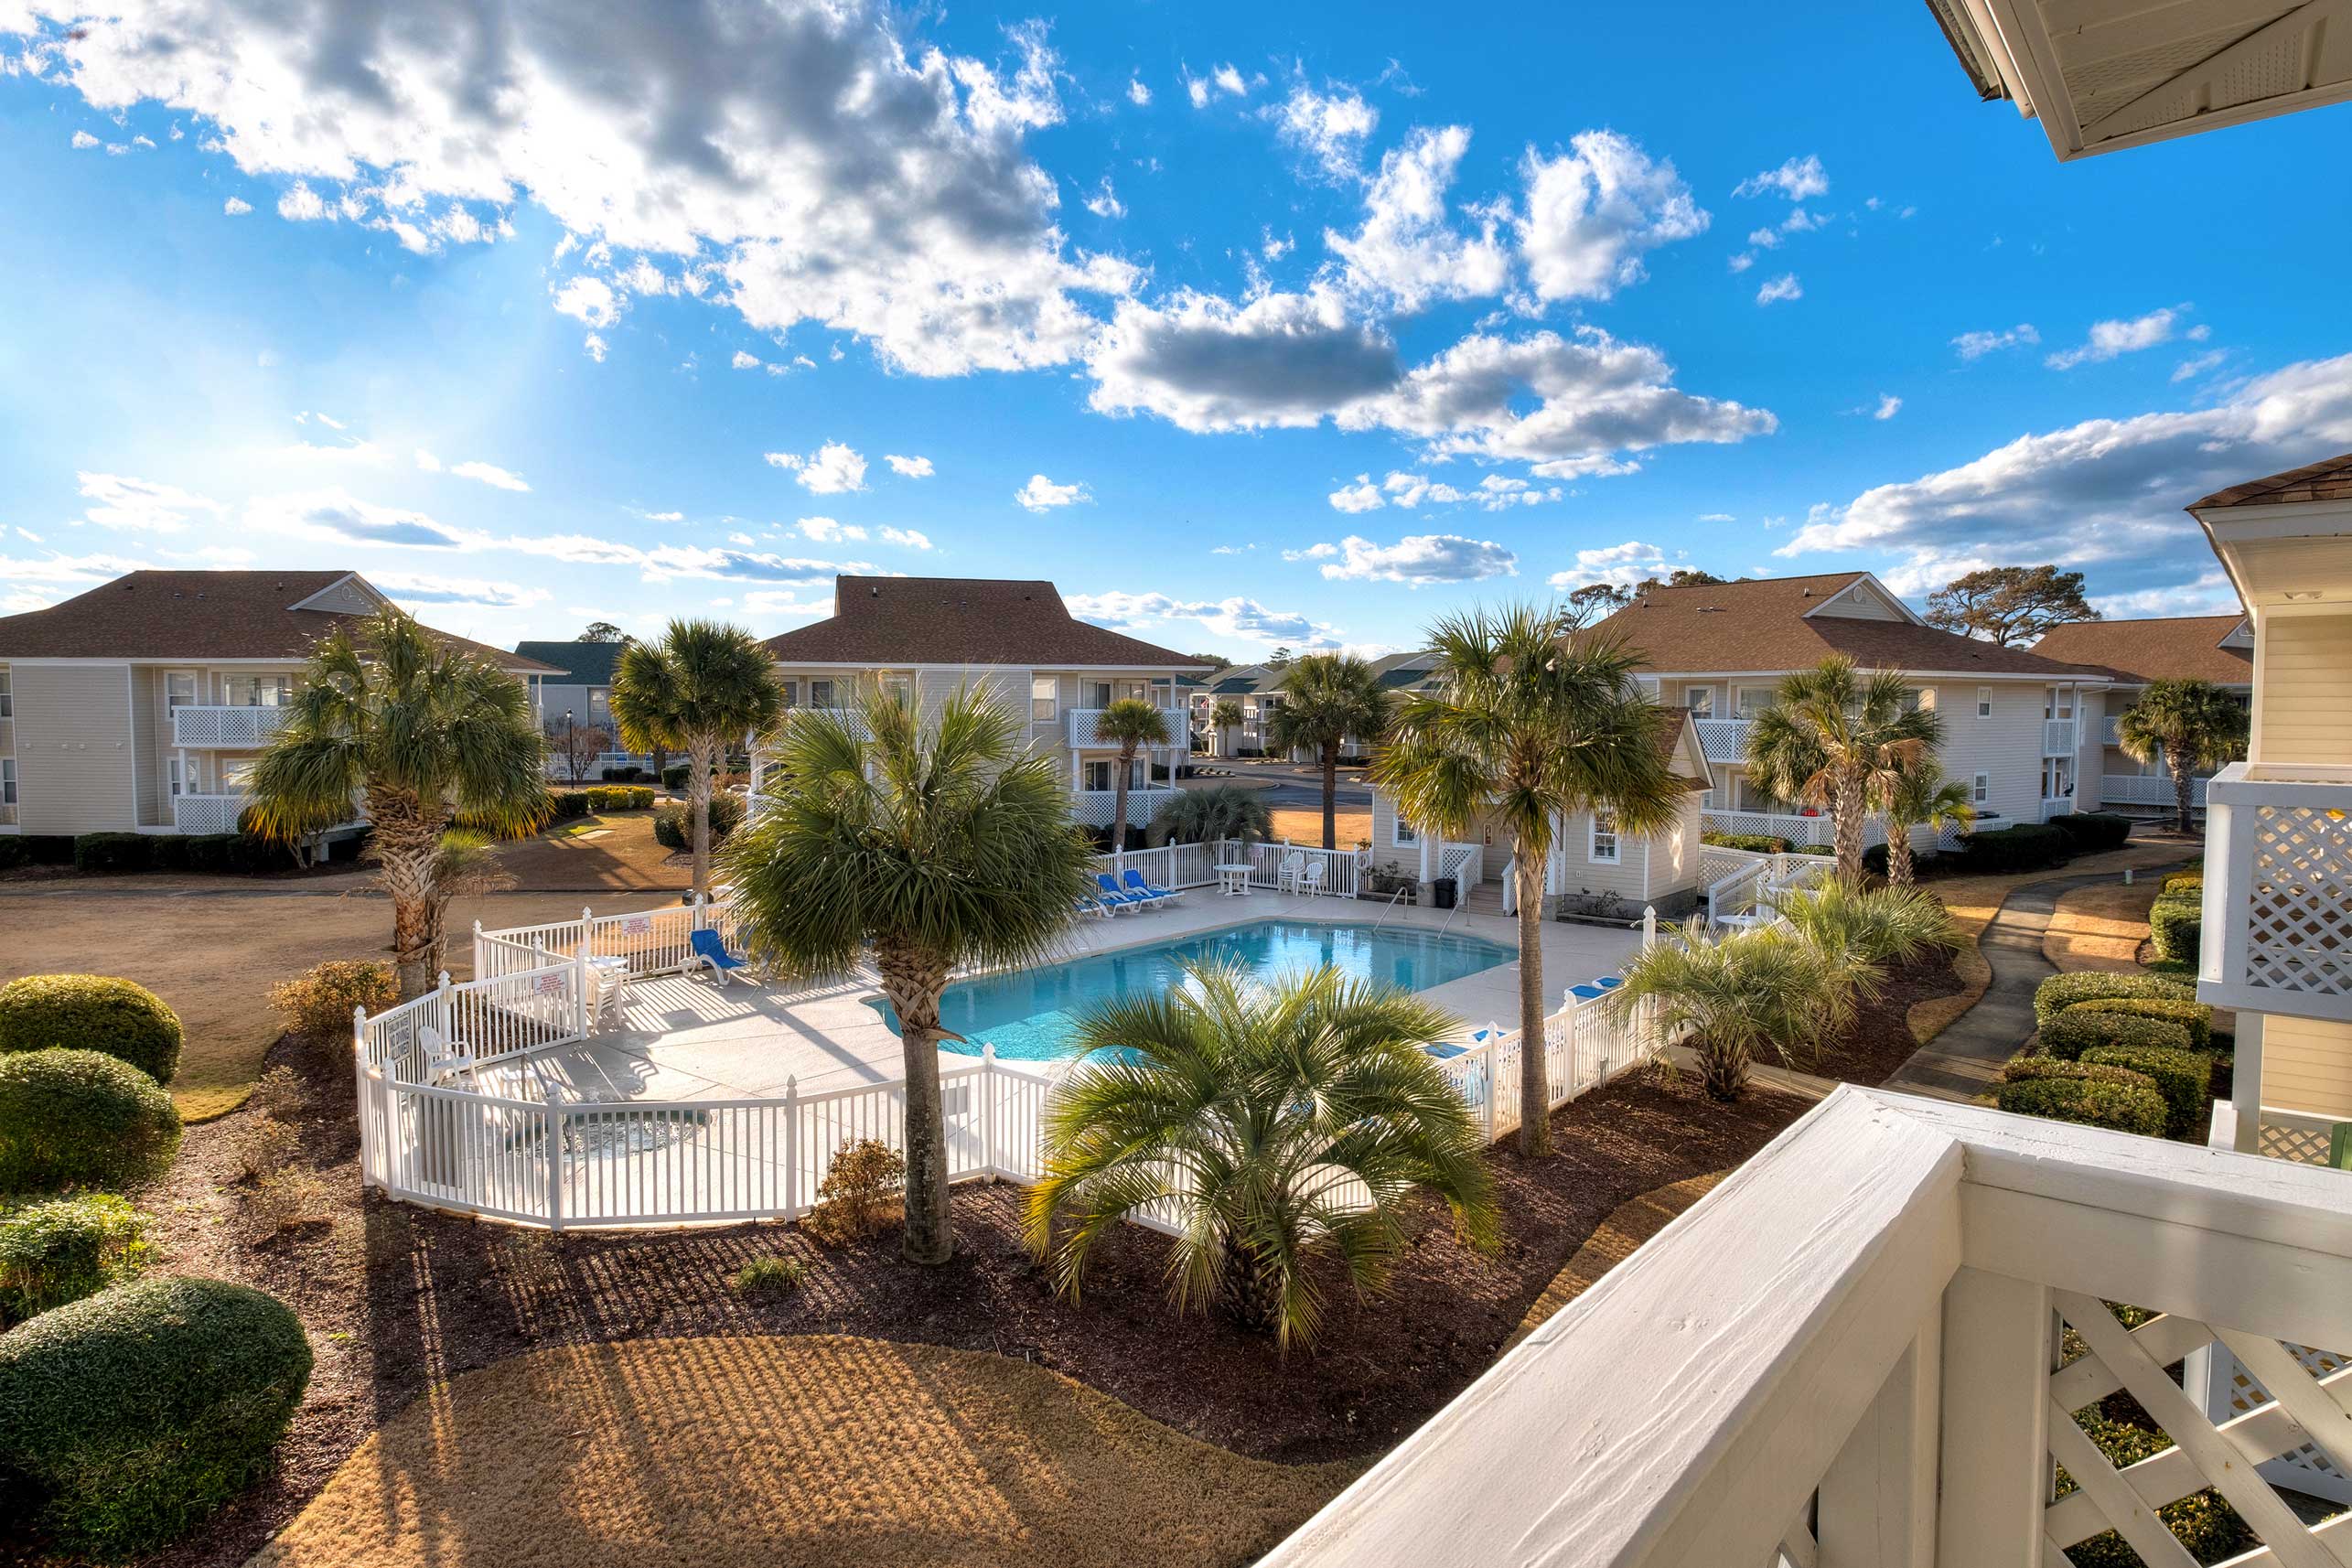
[1723, 740]
[1797, 829]
[208, 813]
[2278, 890]
[2057, 738]
[1095, 808]
[2146, 789]
[1082, 726]
[1851, 1352]
[233, 728]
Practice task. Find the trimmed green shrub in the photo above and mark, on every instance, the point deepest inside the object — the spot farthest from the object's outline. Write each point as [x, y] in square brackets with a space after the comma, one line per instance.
[673, 777]
[2025, 846]
[619, 797]
[13, 853]
[81, 1119]
[235, 854]
[133, 1415]
[629, 774]
[113, 852]
[2060, 992]
[1760, 843]
[2194, 1016]
[318, 1001]
[2093, 1095]
[2184, 1077]
[563, 805]
[2091, 832]
[2175, 926]
[1812, 849]
[670, 821]
[2189, 882]
[65, 1249]
[167, 852]
[47, 849]
[91, 1013]
[2078, 1029]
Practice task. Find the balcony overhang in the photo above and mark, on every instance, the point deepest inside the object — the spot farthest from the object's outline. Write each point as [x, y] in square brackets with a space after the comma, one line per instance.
[2297, 553]
[2277, 918]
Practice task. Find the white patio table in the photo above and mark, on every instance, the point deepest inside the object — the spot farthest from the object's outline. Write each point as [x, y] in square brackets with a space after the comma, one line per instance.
[1233, 878]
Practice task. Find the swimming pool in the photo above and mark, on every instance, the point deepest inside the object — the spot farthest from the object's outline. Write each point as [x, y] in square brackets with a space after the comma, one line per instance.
[1030, 1015]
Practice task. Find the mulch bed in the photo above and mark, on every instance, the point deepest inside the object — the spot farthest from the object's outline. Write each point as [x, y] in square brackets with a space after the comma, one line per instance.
[398, 1298]
[1880, 1040]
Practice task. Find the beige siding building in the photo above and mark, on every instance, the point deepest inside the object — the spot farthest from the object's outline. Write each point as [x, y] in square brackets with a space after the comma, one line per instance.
[141, 705]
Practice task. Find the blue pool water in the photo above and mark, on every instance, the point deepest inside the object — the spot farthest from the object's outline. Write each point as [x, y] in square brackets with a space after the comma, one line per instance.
[1031, 1015]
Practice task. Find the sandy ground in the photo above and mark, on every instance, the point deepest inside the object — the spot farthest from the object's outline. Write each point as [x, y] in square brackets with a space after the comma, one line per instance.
[1305, 825]
[2103, 927]
[610, 853]
[213, 946]
[817, 1450]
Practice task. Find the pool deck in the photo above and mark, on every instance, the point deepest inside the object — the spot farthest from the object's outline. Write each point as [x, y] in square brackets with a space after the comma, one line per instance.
[686, 1036]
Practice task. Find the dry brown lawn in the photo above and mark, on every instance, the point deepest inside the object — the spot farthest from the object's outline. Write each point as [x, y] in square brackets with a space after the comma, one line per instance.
[821, 1450]
[2101, 927]
[1306, 826]
[613, 851]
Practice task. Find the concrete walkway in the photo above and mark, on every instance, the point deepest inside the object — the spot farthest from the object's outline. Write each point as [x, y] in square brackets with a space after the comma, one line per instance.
[1964, 1061]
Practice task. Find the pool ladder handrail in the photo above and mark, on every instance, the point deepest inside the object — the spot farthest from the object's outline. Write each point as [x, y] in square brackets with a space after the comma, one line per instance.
[1394, 898]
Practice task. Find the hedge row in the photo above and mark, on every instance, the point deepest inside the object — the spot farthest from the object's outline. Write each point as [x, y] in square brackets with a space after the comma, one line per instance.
[2027, 846]
[240, 855]
[619, 797]
[60, 1251]
[2092, 832]
[91, 1013]
[670, 827]
[34, 849]
[1758, 843]
[2193, 1018]
[2080, 1029]
[2175, 924]
[2060, 992]
[82, 1119]
[2184, 1077]
[2094, 1095]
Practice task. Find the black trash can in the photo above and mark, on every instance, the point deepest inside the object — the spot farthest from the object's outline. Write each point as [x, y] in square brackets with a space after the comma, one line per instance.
[1441, 893]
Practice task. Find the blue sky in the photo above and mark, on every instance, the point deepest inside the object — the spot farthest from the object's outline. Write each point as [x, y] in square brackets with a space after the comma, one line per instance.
[1246, 325]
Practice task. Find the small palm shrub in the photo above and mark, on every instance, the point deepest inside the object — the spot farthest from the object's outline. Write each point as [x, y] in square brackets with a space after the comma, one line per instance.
[91, 1013]
[1863, 934]
[81, 1119]
[862, 1195]
[2191, 1014]
[127, 1417]
[317, 1002]
[673, 828]
[770, 1276]
[2060, 992]
[2080, 1029]
[2184, 1077]
[65, 1249]
[1755, 993]
[1203, 816]
[2093, 1095]
[1275, 1125]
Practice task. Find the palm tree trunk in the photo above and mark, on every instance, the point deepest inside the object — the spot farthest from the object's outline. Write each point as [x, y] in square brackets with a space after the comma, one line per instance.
[1899, 853]
[698, 809]
[1534, 1082]
[1331, 794]
[406, 842]
[913, 980]
[2184, 790]
[1119, 807]
[1250, 1286]
[1849, 807]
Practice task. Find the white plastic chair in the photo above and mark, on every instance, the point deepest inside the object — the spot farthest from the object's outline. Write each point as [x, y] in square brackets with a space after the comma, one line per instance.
[1310, 879]
[441, 1063]
[1286, 875]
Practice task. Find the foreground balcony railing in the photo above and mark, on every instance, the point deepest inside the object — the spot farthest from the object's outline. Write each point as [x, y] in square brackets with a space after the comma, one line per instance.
[199, 724]
[2057, 738]
[1854, 1351]
[2278, 890]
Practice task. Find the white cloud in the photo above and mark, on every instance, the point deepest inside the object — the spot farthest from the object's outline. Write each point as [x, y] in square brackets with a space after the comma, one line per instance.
[2197, 365]
[595, 345]
[1416, 491]
[491, 474]
[83, 140]
[2105, 492]
[2111, 339]
[826, 530]
[832, 469]
[590, 300]
[1407, 252]
[337, 517]
[129, 505]
[1716, 517]
[906, 538]
[1104, 202]
[1361, 496]
[1416, 560]
[1775, 290]
[1205, 363]
[1889, 405]
[328, 420]
[1591, 211]
[236, 206]
[1041, 494]
[800, 156]
[1197, 89]
[784, 606]
[1799, 179]
[1976, 345]
[1229, 81]
[2208, 594]
[1274, 250]
[909, 468]
[1741, 262]
[743, 361]
[418, 588]
[1620, 565]
[1239, 617]
[1137, 93]
[1328, 129]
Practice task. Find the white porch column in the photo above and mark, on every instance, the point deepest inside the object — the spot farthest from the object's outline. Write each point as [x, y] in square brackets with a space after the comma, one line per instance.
[1428, 865]
[1995, 1459]
[2246, 1084]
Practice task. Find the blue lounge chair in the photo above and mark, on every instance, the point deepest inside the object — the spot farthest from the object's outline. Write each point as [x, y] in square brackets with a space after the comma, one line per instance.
[1093, 907]
[1609, 982]
[1446, 1051]
[710, 948]
[1133, 882]
[1586, 992]
[1116, 899]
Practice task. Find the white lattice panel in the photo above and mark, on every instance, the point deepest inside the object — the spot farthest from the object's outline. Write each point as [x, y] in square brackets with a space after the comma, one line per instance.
[2235, 1391]
[2298, 927]
[2288, 1141]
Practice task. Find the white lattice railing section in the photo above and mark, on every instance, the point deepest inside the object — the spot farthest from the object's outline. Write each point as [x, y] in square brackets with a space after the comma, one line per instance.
[207, 814]
[1084, 728]
[2057, 738]
[2146, 789]
[2278, 890]
[1723, 740]
[1098, 807]
[1797, 828]
[205, 725]
[1464, 862]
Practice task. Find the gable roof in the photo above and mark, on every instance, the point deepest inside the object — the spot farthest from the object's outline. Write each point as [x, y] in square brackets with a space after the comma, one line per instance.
[886, 622]
[2174, 648]
[201, 616]
[1678, 741]
[575, 663]
[1767, 626]
[2329, 479]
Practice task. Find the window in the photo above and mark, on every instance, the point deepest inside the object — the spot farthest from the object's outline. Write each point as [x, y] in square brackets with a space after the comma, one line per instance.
[1919, 699]
[257, 690]
[7, 780]
[8, 698]
[1403, 834]
[2058, 703]
[1753, 700]
[821, 694]
[172, 781]
[1045, 697]
[1699, 701]
[179, 690]
[1097, 693]
[1604, 840]
[1097, 776]
[791, 690]
[1984, 702]
[898, 688]
[1980, 789]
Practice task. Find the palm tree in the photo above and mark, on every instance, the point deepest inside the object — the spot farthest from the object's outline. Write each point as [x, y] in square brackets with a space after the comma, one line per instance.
[934, 846]
[1864, 933]
[1327, 697]
[1835, 738]
[1134, 724]
[701, 689]
[1766, 990]
[423, 735]
[1283, 1123]
[1528, 725]
[1209, 816]
[2192, 724]
[1920, 796]
[1224, 717]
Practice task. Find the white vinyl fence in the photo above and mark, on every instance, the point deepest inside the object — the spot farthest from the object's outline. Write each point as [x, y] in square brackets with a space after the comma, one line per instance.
[1177, 867]
[435, 1131]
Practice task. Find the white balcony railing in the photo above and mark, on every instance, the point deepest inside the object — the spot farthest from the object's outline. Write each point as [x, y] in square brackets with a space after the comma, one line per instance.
[204, 724]
[2278, 890]
[1723, 740]
[1795, 829]
[1081, 724]
[1852, 1352]
[2113, 730]
[2057, 738]
[2146, 789]
[207, 814]
[1095, 808]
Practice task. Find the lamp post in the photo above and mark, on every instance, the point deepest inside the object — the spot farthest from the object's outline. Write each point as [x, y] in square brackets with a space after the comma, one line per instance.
[571, 752]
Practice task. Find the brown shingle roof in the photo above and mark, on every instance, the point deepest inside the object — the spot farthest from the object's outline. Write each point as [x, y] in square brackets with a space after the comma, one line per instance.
[2329, 479]
[200, 616]
[2176, 647]
[1761, 628]
[961, 620]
